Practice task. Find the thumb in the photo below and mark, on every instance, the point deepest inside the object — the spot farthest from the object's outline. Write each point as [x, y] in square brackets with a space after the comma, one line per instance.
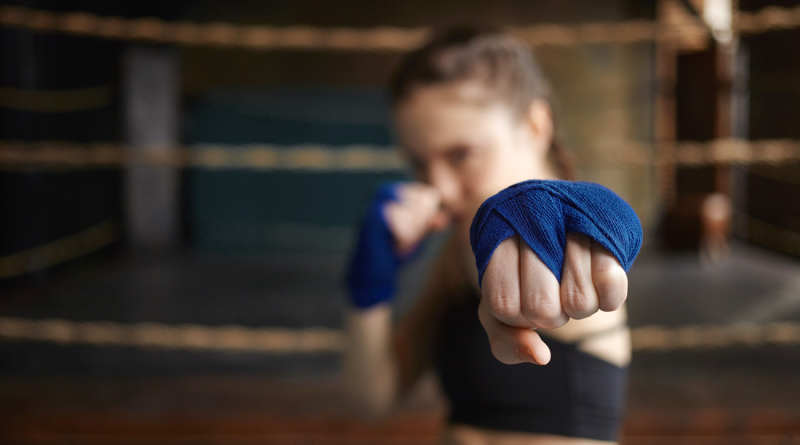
[512, 345]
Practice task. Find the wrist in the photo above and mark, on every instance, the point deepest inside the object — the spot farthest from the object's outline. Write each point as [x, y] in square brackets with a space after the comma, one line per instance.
[374, 264]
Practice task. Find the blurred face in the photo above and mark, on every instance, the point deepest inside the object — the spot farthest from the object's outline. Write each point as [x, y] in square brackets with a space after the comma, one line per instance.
[470, 146]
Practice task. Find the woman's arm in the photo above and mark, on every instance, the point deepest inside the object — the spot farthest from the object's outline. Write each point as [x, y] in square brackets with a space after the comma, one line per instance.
[382, 362]
[369, 362]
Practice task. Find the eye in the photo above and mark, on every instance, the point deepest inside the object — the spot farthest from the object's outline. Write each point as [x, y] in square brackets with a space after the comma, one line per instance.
[419, 166]
[457, 155]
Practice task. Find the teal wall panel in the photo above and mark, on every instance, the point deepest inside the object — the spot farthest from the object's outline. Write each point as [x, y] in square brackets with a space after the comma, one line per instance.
[250, 210]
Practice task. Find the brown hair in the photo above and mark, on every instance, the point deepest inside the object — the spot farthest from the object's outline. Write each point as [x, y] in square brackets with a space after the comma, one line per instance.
[504, 64]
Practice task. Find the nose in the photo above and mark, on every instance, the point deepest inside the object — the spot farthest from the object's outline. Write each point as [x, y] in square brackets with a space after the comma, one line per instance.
[448, 186]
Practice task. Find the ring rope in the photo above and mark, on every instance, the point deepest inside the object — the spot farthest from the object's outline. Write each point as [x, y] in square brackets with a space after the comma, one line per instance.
[49, 154]
[272, 340]
[385, 38]
[104, 234]
[68, 248]
[185, 336]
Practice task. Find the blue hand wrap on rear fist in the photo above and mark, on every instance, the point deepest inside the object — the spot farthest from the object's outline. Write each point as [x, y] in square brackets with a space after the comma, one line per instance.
[373, 269]
[543, 212]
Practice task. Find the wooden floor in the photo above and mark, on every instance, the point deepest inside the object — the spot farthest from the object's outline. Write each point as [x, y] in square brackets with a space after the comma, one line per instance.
[260, 410]
[69, 394]
[213, 410]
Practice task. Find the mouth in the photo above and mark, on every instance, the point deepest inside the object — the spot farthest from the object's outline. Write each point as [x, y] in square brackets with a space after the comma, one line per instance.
[460, 218]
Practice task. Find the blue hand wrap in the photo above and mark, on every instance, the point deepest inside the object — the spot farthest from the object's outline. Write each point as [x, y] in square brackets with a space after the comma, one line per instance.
[543, 212]
[373, 269]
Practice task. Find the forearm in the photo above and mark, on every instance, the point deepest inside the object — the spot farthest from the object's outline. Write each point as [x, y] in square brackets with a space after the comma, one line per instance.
[370, 364]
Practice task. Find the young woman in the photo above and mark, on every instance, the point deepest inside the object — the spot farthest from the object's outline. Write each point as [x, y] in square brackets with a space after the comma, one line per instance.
[522, 357]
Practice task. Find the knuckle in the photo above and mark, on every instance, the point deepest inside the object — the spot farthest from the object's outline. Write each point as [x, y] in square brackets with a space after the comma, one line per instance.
[535, 307]
[607, 267]
[529, 313]
[577, 302]
[502, 306]
[543, 311]
[609, 279]
[612, 288]
[574, 301]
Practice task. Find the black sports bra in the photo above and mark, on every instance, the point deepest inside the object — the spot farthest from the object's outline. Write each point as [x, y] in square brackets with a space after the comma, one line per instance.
[576, 394]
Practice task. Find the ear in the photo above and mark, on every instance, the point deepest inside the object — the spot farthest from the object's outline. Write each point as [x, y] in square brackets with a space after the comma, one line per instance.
[539, 121]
